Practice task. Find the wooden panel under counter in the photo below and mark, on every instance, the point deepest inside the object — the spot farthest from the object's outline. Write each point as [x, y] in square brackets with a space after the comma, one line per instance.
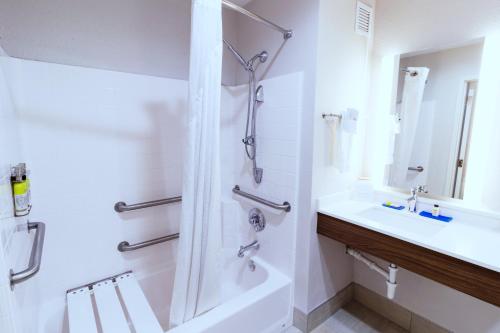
[466, 277]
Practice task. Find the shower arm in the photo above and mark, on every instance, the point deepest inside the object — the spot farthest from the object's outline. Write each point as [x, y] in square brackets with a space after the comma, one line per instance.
[287, 33]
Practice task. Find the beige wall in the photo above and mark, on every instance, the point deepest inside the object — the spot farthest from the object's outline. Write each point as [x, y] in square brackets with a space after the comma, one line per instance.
[133, 36]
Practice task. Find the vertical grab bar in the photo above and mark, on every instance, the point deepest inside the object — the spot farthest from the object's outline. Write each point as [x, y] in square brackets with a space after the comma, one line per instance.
[35, 257]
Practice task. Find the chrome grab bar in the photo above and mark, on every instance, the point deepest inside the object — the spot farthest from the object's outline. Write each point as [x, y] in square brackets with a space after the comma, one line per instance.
[417, 169]
[126, 246]
[35, 257]
[285, 206]
[121, 206]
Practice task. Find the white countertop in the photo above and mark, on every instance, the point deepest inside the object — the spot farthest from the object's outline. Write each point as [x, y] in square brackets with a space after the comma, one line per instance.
[469, 237]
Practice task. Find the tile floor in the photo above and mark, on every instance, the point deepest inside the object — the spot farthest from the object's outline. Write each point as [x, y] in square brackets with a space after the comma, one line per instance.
[355, 318]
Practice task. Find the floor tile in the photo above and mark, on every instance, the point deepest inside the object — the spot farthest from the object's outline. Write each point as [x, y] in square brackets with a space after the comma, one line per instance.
[292, 329]
[356, 318]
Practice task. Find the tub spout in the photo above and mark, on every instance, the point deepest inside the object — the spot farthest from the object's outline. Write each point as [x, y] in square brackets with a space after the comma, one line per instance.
[243, 249]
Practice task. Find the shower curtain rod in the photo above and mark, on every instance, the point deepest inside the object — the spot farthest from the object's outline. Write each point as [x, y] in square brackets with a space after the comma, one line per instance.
[287, 33]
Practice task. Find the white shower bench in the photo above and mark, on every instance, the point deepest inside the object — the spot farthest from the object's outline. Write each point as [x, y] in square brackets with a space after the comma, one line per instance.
[115, 305]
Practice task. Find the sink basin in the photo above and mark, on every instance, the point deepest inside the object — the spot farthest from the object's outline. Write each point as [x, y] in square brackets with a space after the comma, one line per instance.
[402, 222]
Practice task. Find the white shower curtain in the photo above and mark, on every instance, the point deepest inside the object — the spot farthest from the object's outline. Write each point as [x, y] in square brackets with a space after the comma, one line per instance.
[413, 93]
[197, 277]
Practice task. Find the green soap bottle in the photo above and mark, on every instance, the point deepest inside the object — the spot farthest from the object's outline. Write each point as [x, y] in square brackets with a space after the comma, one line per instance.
[21, 190]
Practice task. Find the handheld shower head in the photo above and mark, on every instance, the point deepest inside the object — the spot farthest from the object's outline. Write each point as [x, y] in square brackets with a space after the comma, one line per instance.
[259, 94]
[261, 56]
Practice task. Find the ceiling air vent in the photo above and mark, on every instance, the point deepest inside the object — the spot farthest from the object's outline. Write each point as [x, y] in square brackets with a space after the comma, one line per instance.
[363, 19]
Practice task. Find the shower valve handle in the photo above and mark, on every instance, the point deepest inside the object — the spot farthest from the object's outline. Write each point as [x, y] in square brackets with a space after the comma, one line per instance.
[249, 140]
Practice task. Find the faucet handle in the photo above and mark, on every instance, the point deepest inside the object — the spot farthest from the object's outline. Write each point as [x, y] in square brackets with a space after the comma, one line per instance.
[422, 189]
[419, 189]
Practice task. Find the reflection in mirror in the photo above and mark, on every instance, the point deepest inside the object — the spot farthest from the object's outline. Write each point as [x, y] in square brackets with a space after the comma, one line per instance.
[432, 121]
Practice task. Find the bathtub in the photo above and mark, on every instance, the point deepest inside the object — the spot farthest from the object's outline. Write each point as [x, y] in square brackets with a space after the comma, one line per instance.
[257, 301]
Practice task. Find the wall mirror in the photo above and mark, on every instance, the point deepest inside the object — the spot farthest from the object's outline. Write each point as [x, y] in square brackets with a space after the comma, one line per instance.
[433, 116]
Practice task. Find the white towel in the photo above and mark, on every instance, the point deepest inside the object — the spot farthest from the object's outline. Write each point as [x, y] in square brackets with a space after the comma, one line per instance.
[342, 131]
[349, 121]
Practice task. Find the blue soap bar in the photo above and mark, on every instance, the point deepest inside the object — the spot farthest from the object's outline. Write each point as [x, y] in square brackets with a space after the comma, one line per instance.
[441, 218]
[394, 207]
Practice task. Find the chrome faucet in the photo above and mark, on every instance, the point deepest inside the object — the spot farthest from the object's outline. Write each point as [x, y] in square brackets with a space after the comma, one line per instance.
[412, 201]
[254, 245]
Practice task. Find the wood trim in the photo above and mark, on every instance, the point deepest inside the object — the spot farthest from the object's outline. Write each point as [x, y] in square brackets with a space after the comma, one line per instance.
[466, 277]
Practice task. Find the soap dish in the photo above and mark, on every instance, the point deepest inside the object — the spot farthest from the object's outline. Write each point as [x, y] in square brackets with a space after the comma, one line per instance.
[394, 207]
[441, 218]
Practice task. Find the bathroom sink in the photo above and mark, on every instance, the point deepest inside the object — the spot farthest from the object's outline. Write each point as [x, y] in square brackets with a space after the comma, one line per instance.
[402, 222]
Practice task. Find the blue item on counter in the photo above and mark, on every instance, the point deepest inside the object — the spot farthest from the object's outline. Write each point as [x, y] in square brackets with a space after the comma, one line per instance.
[441, 218]
[393, 207]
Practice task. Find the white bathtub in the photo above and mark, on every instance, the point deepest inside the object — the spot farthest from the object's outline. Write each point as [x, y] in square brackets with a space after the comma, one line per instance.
[253, 301]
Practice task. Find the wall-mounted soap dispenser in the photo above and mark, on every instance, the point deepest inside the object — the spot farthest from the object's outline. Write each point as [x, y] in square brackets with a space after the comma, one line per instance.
[21, 190]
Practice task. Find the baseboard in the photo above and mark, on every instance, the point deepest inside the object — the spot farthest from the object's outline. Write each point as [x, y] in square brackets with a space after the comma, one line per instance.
[307, 322]
[394, 312]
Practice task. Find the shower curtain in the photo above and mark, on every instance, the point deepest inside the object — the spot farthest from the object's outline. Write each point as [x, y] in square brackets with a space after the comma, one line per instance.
[197, 276]
[411, 104]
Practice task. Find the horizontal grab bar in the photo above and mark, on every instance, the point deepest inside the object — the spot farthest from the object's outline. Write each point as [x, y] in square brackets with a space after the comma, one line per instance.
[35, 257]
[417, 169]
[123, 207]
[126, 246]
[285, 206]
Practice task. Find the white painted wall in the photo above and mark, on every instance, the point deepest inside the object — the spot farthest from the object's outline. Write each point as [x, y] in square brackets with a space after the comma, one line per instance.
[431, 25]
[132, 36]
[449, 70]
[342, 73]
[92, 138]
[409, 26]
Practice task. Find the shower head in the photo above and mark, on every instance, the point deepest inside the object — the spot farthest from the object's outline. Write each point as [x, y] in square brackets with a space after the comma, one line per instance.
[236, 54]
[261, 56]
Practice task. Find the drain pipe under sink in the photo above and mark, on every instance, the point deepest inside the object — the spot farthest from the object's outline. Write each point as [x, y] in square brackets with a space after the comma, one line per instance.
[390, 276]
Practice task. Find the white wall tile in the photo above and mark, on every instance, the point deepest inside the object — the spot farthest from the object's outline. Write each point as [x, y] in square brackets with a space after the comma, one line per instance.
[92, 138]
[277, 154]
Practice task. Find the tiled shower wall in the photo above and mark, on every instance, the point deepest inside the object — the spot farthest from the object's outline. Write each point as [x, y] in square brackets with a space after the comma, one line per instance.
[9, 154]
[92, 138]
[278, 138]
